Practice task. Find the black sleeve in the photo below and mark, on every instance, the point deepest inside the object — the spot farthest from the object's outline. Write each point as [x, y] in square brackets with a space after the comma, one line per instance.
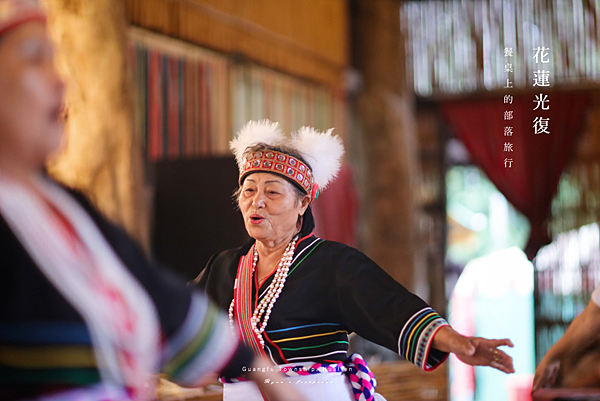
[170, 294]
[197, 335]
[218, 277]
[380, 309]
[200, 279]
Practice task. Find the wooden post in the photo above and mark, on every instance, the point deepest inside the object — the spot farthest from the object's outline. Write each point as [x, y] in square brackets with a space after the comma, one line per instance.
[389, 140]
[102, 154]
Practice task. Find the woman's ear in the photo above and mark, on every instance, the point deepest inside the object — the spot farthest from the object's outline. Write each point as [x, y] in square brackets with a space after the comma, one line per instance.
[304, 204]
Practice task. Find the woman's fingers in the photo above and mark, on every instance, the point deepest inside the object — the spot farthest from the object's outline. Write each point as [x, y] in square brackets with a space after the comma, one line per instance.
[502, 368]
[504, 360]
[501, 343]
[494, 343]
[500, 359]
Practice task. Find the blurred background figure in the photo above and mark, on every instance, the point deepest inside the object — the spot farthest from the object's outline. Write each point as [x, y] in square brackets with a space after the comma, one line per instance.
[83, 314]
[574, 358]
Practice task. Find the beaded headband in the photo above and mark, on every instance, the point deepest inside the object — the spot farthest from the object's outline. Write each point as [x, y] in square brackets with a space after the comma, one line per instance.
[272, 161]
[321, 152]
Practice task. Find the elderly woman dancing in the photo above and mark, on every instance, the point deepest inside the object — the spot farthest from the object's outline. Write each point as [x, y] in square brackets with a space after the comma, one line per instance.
[294, 297]
[83, 315]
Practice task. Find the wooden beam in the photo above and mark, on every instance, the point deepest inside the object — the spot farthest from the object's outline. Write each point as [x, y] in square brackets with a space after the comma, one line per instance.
[307, 39]
[389, 141]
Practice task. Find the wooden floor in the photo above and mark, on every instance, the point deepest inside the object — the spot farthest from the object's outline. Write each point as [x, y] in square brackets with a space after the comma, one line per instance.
[403, 381]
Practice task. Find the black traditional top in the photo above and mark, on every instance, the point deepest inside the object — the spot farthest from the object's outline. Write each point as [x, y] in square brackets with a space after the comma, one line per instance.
[331, 291]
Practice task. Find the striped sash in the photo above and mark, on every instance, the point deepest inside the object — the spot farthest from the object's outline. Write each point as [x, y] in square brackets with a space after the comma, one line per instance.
[244, 308]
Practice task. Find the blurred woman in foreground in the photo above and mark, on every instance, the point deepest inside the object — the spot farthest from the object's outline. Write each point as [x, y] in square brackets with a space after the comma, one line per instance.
[83, 316]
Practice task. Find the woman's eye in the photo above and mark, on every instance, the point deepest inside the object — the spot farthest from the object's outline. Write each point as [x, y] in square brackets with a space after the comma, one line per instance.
[273, 193]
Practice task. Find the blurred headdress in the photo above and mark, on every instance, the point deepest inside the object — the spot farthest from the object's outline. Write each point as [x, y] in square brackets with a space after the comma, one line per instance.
[319, 154]
[16, 12]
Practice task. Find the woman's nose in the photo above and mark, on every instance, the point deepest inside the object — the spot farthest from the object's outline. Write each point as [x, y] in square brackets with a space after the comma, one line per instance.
[259, 200]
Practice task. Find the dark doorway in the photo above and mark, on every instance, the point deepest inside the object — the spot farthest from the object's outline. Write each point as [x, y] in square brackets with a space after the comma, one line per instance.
[195, 216]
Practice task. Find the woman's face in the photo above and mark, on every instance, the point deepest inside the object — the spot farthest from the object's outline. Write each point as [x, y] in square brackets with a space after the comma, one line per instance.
[270, 207]
[31, 96]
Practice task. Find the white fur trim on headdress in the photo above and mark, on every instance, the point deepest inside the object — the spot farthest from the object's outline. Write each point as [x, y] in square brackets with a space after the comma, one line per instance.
[253, 133]
[323, 151]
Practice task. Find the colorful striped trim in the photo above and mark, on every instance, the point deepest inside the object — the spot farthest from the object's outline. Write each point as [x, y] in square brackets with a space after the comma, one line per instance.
[244, 307]
[178, 363]
[295, 263]
[311, 336]
[314, 346]
[302, 327]
[417, 335]
[203, 344]
[215, 355]
[189, 329]
[310, 357]
[310, 248]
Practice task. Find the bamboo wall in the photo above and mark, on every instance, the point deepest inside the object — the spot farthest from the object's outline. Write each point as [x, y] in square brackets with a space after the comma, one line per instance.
[577, 201]
[457, 46]
[303, 38]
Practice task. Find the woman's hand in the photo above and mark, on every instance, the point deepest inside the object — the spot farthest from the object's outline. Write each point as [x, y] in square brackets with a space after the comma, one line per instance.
[484, 352]
[272, 383]
[475, 351]
[545, 373]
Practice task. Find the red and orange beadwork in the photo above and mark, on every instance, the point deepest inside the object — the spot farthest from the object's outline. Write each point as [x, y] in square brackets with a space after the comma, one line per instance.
[272, 161]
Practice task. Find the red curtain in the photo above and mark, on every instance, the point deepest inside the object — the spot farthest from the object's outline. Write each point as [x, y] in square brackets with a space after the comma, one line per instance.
[537, 160]
[336, 209]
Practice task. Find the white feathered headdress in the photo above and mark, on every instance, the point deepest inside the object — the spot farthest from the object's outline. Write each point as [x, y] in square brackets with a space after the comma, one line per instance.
[321, 153]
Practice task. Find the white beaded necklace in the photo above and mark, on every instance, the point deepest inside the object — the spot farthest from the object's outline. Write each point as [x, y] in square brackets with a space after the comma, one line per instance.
[266, 303]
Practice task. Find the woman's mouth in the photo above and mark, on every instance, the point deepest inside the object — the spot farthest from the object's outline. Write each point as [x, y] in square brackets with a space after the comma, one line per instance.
[256, 219]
